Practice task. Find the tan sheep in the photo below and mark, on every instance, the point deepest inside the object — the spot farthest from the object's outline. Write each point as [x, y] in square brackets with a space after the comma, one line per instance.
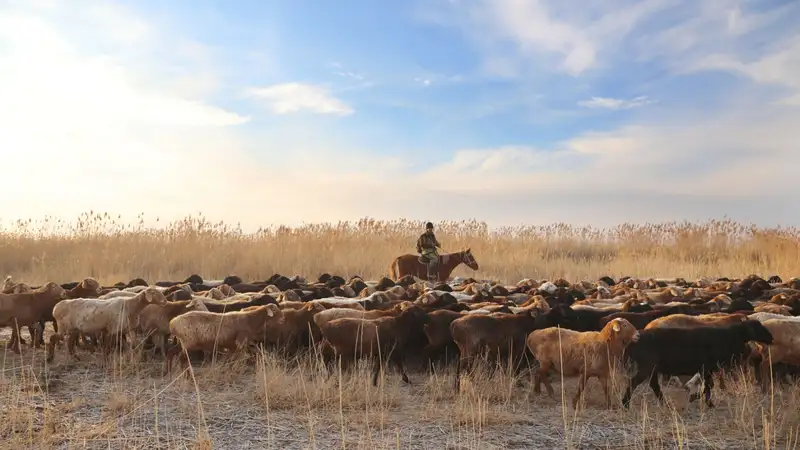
[232, 331]
[154, 319]
[785, 347]
[337, 313]
[105, 317]
[584, 354]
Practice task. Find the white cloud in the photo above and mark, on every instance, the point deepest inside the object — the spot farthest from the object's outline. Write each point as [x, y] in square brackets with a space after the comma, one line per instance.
[616, 103]
[85, 131]
[290, 98]
[779, 66]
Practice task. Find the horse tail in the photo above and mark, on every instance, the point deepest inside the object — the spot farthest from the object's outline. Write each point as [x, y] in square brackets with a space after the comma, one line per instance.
[394, 269]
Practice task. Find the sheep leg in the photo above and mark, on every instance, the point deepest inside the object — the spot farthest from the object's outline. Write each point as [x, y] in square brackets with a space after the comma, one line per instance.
[397, 359]
[722, 379]
[765, 375]
[579, 392]
[541, 376]
[376, 371]
[41, 326]
[463, 364]
[161, 343]
[606, 390]
[71, 341]
[51, 348]
[13, 344]
[656, 387]
[168, 358]
[632, 385]
[709, 384]
[428, 353]
[33, 334]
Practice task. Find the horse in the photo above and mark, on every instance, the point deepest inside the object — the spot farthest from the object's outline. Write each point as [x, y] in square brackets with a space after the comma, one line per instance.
[409, 264]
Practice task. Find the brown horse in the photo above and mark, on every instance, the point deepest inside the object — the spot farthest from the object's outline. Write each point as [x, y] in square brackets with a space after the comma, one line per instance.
[409, 264]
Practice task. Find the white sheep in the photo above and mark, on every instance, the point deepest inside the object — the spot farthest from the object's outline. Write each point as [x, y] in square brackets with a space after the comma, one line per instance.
[93, 316]
[208, 331]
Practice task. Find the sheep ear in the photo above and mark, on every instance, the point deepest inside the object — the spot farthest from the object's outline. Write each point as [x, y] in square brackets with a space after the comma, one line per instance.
[615, 327]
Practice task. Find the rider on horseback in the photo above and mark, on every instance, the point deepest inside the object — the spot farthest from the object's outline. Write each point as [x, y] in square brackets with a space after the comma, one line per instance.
[426, 247]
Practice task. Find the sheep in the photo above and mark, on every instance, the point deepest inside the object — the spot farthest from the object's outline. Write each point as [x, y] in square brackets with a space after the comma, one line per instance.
[10, 287]
[299, 327]
[785, 347]
[385, 337]
[501, 334]
[687, 351]
[230, 306]
[28, 309]
[584, 354]
[209, 331]
[8, 284]
[88, 288]
[640, 320]
[92, 316]
[764, 316]
[338, 313]
[154, 319]
[118, 294]
[690, 321]
[773, 308]
[339, 302]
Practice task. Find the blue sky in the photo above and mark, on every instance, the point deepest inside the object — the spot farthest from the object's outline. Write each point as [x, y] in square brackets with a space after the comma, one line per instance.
[508, 111]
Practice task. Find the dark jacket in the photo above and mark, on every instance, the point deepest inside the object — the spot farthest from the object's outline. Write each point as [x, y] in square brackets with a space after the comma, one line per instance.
[427, 243]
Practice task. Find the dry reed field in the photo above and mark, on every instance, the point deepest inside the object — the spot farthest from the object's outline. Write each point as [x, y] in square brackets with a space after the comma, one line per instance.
[266, 401]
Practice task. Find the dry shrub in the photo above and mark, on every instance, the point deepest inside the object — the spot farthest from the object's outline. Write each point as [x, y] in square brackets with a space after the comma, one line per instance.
[99, 246]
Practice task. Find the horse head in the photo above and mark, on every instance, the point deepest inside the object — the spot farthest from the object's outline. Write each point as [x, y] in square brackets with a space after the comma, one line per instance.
[468, 259]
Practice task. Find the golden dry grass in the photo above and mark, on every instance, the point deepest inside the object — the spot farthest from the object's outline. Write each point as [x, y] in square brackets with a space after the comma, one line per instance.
[96, 245]
[267, 402]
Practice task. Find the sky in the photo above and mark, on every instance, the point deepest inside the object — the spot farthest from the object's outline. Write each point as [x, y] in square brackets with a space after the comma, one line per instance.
[507, 111]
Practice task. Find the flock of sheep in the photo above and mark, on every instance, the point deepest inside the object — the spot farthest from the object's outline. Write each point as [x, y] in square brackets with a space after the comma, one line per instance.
[654, 328]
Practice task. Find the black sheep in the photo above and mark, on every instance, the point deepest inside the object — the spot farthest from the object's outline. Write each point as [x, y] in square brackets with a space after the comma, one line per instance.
[641, 319]
[682, 351]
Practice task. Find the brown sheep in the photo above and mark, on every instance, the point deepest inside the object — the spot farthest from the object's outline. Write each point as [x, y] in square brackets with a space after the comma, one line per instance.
[154, 319]
[584, 354]
[28, 309]
[88, 288]
[299, 329]
[687, 321]
[385, 337]
[502, 335]
[233, 331]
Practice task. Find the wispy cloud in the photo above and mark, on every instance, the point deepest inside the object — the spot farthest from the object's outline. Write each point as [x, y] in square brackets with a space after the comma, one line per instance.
[290, 98]
[141, 116]
[616, 103]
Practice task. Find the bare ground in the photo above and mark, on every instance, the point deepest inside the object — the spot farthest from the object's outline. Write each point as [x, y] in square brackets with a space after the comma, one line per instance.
[267, 402]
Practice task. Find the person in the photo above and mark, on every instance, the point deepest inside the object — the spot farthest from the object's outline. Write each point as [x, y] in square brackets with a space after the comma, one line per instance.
[426, 247]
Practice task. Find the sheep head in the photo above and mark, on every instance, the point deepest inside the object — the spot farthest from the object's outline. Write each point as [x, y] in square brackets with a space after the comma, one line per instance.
[196, 304]
[273, 310]
[154, 296]
[622, 331]
[53, 289]
[8, 284]
[90, 284]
